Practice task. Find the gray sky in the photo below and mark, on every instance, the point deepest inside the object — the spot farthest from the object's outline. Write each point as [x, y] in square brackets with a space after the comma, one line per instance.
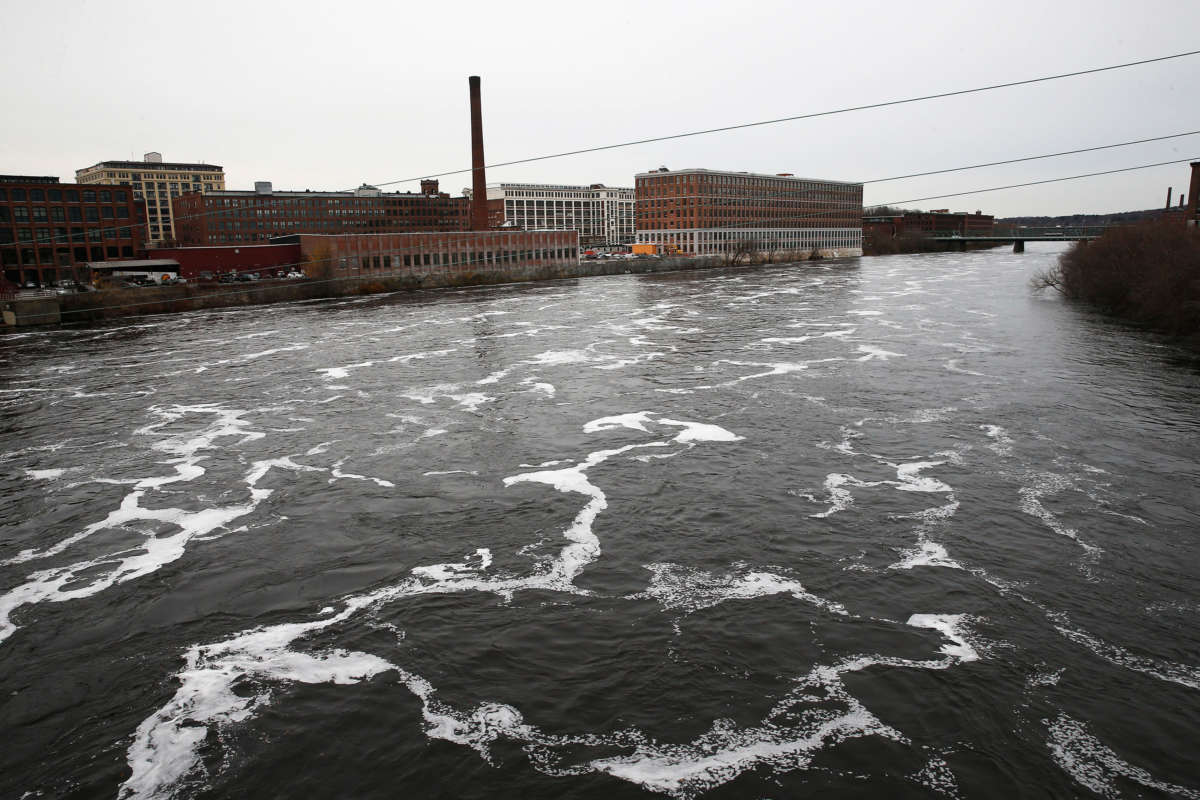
[328, 95]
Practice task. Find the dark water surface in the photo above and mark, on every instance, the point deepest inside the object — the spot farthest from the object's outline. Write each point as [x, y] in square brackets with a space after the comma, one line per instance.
[888, 527]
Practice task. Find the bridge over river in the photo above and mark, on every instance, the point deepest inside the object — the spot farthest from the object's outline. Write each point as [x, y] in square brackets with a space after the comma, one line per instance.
[1023, 235]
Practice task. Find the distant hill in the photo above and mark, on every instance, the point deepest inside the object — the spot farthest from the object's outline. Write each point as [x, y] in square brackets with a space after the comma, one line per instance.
[1074, 220]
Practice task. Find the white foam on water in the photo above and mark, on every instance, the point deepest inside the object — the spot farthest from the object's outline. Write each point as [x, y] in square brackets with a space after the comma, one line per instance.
[636, 420]
[1001, 442]
[784, 368]
[449, 472]
[937, 776]
[840, 498]
[950, 626]
[336, 474]
[725, 751]
[700, 432]
[273, 351]
[186, 454]
[1048, 484]
[166, 746]
[1182, 674]
[926, 554]
[45, 474]
[910, 479]
[1094, 765]
[680, 588]
[333, 373]
[876, 353]
[557, 357]
[494, 377]
[50, 585]
[866, 313]
[952, 365]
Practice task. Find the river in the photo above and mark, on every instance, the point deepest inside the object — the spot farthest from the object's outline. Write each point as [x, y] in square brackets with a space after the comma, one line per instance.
[881, 527]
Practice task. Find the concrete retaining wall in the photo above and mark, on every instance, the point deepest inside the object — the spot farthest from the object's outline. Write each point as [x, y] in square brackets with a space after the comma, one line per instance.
[92, 306]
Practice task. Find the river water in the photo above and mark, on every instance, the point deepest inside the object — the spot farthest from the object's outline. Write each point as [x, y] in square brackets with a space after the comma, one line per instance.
[881, 527]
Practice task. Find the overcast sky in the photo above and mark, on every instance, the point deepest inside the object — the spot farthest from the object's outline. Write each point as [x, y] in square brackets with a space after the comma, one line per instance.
[328, 95]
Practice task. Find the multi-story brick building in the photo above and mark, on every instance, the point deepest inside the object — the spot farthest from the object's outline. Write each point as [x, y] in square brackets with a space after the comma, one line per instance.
[246, 217]
[707, 212]
[603, 215]
[157, 182]
[444, 253]
[914, 224]
[50, 229]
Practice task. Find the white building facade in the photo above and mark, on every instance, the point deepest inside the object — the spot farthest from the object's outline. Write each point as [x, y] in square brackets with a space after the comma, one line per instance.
[603, 215]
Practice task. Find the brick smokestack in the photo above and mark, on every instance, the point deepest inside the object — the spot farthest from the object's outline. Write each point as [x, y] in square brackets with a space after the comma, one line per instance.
[479, 204]
[1194, 194]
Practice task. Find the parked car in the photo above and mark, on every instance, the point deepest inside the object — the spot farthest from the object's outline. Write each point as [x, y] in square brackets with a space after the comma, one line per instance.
[294, 274]
[204, 275]
[228, 277]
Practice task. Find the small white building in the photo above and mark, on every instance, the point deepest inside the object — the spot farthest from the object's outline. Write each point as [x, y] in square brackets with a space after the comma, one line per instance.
[603, 215]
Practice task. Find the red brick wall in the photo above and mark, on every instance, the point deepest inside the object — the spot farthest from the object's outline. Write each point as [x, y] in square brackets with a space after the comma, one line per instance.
[243, 258]
[48, 229]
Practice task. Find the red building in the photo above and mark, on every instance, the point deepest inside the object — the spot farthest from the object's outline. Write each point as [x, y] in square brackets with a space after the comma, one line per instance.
[941, 222]
[266, 259]
[247, 217]
[502, 252]
[49, 230]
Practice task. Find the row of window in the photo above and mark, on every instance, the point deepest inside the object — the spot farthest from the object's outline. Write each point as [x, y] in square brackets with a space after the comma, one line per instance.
[63, 195]
[61, 256]
[57, 214]
[62, 235]
[395, 261]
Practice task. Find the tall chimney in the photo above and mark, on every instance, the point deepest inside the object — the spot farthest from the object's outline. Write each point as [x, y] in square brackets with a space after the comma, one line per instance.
[479, 204]
[1169, 190]
[1193, 194]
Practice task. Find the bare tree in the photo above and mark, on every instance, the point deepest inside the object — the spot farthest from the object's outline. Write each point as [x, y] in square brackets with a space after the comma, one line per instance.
[743, 251]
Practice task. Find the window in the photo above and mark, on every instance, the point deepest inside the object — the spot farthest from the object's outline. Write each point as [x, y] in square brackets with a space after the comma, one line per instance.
[24, 235]
[4, 195]
[55, 195]
[122, 212]
[89, 196]
[72, 196]
[37, 195]
[92, 214]
[20, 214]
[105, 196]
[107, 213]
[43, 235]
[57, 215]
[75, 214]
[3, 214]
[39, 213]
[18, 195]
[119, 196]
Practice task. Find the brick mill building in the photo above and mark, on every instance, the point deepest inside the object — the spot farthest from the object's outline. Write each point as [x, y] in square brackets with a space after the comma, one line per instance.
[709, 212]
[49, 230]
[157, 182]
[603, 215]
[247, 217]
[462, 253]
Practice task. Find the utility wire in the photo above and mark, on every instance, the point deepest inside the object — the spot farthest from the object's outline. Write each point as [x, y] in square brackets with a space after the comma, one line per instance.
[811, 115]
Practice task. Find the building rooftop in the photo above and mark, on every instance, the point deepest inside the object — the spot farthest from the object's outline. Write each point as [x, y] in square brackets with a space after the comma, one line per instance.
[151, 165]
[776, 176]
[28, 179]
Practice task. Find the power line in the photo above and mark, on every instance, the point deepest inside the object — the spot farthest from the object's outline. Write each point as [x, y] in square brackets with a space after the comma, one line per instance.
[1037, 183]
[811, 115]
[217, 212]
[1031, 158]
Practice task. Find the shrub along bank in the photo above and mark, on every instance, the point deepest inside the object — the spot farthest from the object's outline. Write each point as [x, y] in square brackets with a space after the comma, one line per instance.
[1148, 272]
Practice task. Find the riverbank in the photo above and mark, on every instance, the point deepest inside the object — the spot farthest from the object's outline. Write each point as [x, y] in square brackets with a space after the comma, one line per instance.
[1148, 272]
[113, 303]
